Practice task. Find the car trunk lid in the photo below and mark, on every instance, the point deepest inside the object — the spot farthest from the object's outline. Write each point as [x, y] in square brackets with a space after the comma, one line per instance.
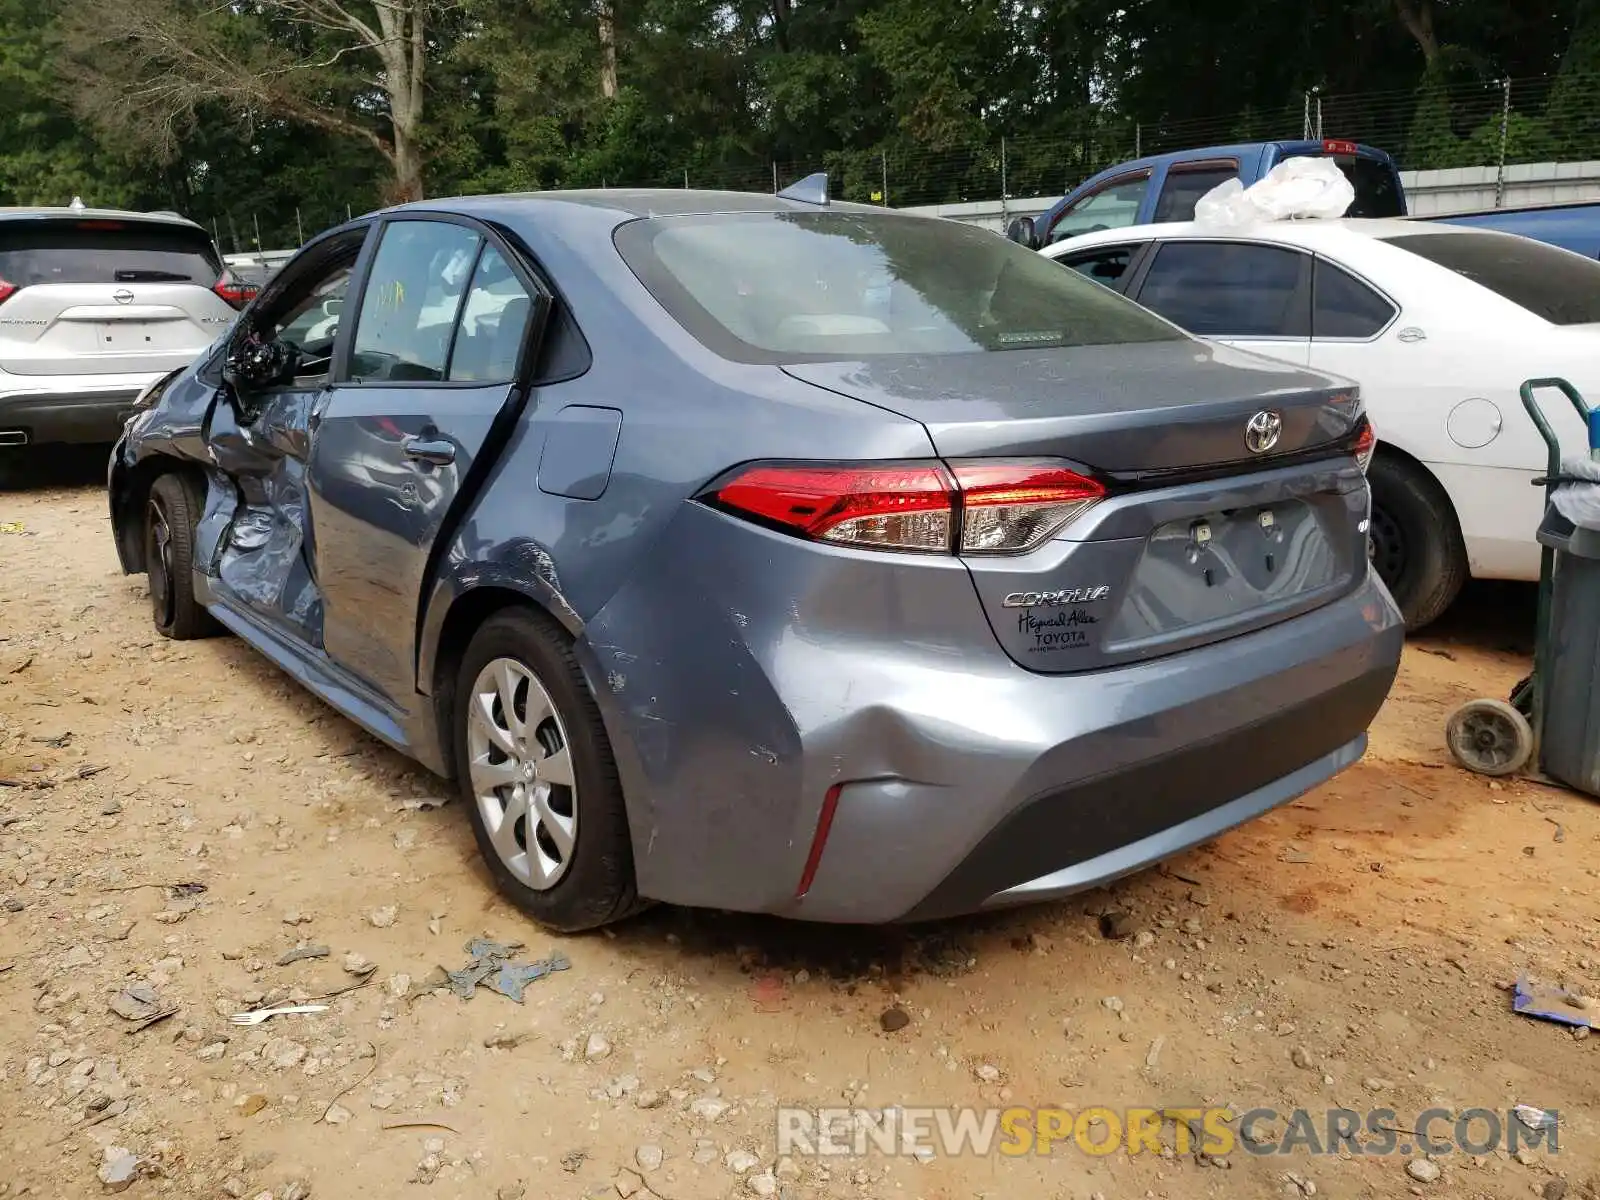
[1201, 536]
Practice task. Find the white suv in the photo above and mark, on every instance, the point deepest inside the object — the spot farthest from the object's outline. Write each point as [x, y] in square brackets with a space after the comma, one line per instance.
[94, 305]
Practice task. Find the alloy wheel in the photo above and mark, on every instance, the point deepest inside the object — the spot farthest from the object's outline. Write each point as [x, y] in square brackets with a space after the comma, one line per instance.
[520, 767]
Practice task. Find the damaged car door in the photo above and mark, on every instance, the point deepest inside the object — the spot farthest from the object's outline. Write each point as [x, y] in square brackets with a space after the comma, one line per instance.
[276, 377]
[427, 388]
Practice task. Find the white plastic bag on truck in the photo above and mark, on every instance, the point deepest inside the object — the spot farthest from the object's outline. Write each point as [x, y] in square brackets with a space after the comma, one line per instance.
[1296, 188]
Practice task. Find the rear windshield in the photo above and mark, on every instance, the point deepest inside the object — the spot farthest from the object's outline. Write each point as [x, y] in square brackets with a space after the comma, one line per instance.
[104, 251]
[788, 286]
[1377, 185]
[1561, 287]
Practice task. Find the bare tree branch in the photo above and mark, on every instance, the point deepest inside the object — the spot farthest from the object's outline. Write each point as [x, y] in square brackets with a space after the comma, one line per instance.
[145, 67]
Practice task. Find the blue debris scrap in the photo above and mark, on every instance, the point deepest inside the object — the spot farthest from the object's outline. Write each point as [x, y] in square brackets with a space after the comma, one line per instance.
[491, 966]
[1551, 1003]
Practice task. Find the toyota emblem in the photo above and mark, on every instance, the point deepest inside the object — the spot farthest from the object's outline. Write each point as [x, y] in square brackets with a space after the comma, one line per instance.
[122, 296]
[1262, 431]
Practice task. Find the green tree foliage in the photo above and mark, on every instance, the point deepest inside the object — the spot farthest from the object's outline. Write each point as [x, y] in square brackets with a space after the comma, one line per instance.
[284, 115]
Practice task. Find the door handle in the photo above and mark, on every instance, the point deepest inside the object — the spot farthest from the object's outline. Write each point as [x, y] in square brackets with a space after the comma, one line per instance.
[429, 450]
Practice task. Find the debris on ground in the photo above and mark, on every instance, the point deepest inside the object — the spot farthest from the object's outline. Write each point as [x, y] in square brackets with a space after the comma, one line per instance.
[119, 1169]
[137, 1002]
[1550, 1003]
[491, 966]
[1533, 1118]
[1117, 924]
[892, 1020]
[768, 994]
[257, 1015]
[302, 952]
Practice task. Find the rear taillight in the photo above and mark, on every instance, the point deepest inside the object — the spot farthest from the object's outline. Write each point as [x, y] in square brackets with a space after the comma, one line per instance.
[234, 290]
[968, 508]
[1366, 442]
[1335, 146]
[1007, 508]
[7, 290]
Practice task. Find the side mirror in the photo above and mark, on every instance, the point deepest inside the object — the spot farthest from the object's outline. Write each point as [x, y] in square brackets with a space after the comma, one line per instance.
[1023, 233]
[255, 365]
[332, 306]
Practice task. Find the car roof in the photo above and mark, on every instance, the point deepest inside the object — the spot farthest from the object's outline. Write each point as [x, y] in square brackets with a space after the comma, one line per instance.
[1307, 233]
[633, 203]
[65, 212]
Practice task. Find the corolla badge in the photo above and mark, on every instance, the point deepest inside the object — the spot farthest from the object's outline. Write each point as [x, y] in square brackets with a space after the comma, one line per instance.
[1066, 596]
[1262, 431]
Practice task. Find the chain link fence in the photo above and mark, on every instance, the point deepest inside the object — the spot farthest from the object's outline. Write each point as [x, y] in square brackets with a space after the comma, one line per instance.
[1497, 123]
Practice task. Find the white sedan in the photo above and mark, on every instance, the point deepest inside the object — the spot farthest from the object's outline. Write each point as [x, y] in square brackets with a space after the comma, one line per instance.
[1439, 324]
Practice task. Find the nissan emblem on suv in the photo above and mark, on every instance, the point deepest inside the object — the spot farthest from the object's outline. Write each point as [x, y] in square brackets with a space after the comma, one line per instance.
[1262, 431]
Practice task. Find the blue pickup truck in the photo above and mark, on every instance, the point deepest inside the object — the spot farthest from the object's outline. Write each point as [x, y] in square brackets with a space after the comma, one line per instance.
[1164, 187]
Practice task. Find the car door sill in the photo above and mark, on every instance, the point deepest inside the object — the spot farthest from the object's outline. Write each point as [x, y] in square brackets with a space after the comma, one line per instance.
[330, 682]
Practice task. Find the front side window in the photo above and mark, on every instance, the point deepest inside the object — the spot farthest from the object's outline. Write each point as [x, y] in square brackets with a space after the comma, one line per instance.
[413, 294]
[313, 318]
[1561, 287]
[1230, 289]
[1114, 206]
[798, 286]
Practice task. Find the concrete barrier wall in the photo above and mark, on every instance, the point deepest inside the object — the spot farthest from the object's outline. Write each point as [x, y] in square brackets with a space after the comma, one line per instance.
[1429, 193]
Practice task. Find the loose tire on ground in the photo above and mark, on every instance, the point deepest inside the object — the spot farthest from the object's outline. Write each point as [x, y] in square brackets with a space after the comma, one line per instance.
[559, 850]
[172, 510]
[1415, 540]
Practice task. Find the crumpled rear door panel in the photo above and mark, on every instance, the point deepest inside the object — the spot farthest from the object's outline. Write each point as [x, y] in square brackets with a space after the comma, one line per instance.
[264, 563]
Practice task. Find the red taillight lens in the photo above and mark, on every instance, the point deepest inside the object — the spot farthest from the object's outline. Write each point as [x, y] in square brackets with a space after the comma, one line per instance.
[1008, 508]
[7, 290]
[235, 291]
[1366, 442]
[998, 507]
[1333, 146]
[888, 506]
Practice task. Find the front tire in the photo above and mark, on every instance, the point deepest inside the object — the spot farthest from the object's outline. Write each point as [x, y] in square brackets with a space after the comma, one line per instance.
[1415, 541]
[538, 777]
[171, 512]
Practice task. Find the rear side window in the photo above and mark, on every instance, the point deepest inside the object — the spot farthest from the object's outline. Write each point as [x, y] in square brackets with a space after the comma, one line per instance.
[1561, 287]
[95, 250]
[1184, 188]
[1344, 307]
[1230, 289]
[797, 286]
[1104, 264]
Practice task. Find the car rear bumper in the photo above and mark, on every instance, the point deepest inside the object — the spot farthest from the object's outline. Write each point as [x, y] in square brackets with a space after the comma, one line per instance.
[80, 415]
[963, 781]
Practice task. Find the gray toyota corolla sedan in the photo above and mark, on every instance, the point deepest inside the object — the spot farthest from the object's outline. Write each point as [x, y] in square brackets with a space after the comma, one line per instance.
[769, 554]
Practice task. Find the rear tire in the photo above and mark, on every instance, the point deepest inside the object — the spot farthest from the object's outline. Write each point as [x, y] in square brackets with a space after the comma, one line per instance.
[539, 781]
[171, 513]
[1415, 541]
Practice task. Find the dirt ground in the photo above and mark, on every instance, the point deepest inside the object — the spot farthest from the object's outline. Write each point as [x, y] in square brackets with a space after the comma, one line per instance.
[1351, 950]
